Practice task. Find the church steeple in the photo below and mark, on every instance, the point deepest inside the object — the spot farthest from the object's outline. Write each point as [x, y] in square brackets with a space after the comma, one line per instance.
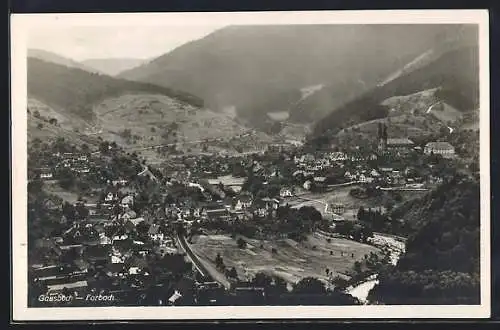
[382, 136]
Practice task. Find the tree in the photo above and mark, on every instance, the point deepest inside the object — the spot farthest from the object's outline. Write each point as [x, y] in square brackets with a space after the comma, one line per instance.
[280, 285]
[262, 280]
[104, 147]
[232, 273]
[339, 282]
[219, 262]
[68, 211]
[66, 178]
[357, 267]
[361, 213]
[241, 243]
[83, 186]
[126, 133]
[344, 228]
[309, 285]
[85, 148]
[36, 113]
[81, 211]
[142, 228]
[53, 121]
[40, 126]
[35, 186]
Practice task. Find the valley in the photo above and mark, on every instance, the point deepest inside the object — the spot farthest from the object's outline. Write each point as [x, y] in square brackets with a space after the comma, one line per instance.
[259, 165]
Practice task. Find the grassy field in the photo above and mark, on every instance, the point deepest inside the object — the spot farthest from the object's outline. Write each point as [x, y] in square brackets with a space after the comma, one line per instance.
[340, 195]
[292, 261]
[417, 102]
[37, 128]
[52, 187]
[445, 113]
[149, 117]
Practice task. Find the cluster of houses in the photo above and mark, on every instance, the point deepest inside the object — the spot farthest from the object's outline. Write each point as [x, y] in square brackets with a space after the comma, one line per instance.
[104, 248]
[77, 163]
[242, 207]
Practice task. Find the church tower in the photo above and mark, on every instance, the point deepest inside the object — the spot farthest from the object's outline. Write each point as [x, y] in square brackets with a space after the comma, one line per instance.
[382, 137]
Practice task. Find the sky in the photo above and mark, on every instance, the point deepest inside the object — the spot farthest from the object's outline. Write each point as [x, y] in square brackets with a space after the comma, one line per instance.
[145, 42]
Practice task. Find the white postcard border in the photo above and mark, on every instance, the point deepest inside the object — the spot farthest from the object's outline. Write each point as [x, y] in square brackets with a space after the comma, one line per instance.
[20, 25]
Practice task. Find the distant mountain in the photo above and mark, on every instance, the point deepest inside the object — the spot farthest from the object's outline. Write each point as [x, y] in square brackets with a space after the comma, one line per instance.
[85, 107]
[76, 91]
[58, 59]
[113, 66]
[264, 69]
[455, 75]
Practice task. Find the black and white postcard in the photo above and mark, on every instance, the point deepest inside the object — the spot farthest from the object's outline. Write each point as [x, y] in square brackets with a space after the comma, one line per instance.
[250, 165]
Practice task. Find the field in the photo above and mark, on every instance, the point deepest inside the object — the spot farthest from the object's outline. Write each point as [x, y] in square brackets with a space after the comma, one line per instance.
[291, 260]
[340, 195]
[279, 116]
[52, 187]
[401, 126]
[38, 128]
[411, 103]
[150, 116]
[445, 113]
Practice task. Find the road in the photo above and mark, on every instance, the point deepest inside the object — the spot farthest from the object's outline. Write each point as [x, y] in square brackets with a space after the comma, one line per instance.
[429, 110]
[204, 268]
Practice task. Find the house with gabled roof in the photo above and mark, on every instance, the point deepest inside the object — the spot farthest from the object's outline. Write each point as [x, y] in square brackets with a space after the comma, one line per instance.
[154, 232]
[243, 201]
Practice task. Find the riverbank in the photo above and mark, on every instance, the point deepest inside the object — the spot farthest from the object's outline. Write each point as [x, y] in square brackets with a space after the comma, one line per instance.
[396, 246]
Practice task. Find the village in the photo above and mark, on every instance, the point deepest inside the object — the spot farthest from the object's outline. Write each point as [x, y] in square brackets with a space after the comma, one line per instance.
[135, 234]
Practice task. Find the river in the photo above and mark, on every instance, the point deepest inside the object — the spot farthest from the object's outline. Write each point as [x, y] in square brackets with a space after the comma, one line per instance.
[396, 248]
[362, 290]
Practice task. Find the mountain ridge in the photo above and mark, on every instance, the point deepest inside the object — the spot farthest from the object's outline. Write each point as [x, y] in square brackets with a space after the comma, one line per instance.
[76, 90]
[455, 74]
[55, 58]
[261, 69]
[114, 66]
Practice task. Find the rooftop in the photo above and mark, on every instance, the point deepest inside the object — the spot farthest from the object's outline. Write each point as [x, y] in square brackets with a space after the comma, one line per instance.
[439, 145]
[399, 141]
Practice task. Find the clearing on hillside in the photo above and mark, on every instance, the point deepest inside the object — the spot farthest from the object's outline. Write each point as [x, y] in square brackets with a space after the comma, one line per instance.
[140, 120]
[283, 257]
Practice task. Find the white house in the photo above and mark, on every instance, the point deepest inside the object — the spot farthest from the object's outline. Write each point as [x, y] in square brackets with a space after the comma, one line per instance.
[120, 237]
[109, 197]
[46, 175]
[127, 201]
[134, 270]
[176, 296]
[286, 192]
[307, 185]
[119, 182]
[243, 202]
[439, 148]
[154, 232]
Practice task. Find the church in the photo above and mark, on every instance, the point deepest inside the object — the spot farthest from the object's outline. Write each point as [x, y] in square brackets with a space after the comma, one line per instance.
[385, 143]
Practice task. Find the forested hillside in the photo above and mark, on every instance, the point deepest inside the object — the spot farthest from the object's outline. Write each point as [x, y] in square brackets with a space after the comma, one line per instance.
[456, 74]
[262, 69]
[441, 263]
[75, 91]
